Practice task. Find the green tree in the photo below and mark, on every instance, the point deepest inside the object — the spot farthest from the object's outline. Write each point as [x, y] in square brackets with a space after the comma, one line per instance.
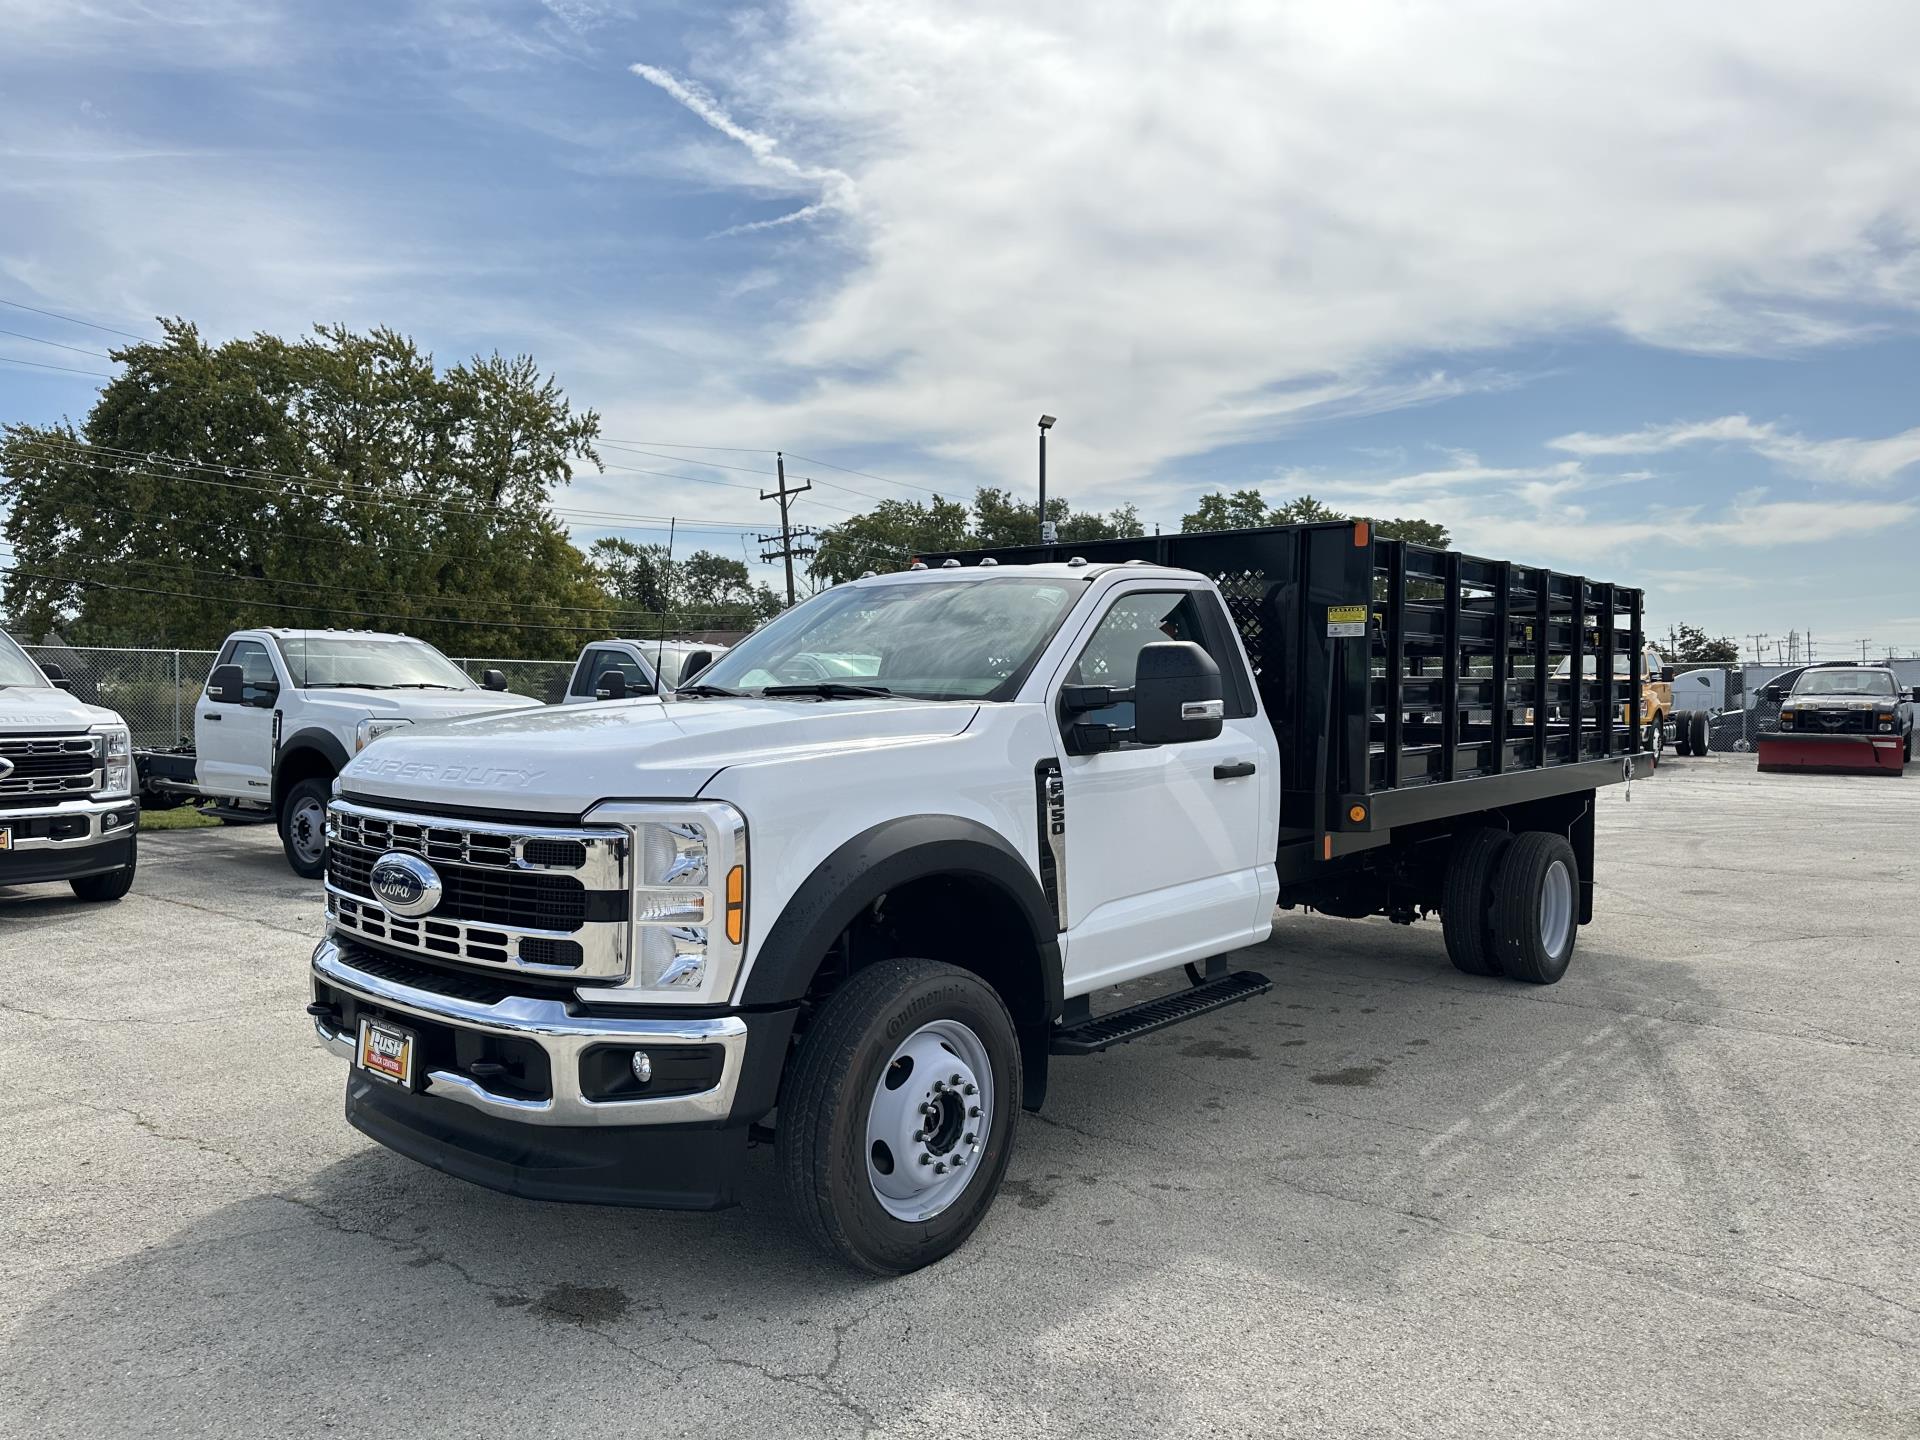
[704, 591]
[894, 531]
[1693, 646]
[1248, 509]
[335, 480]
[887, 537]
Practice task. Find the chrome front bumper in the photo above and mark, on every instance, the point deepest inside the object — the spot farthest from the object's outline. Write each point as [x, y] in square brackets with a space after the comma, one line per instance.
[564, 1036]
[96, 813]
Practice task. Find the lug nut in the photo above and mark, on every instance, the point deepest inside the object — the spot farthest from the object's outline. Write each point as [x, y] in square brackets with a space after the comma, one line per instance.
[968, 1137]
[973, 1111]
[955, 1080]
[939, 1087]
[971, 1090]
[941, 1168]
[958, 1161]
[925, 1159]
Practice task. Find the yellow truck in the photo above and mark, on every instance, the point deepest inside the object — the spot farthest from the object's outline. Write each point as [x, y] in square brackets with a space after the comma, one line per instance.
[1659, 726]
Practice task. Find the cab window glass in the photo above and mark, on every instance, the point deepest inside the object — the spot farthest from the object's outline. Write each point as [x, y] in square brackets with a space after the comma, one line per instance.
[256, 669]
[602, 662]
[1111, 655]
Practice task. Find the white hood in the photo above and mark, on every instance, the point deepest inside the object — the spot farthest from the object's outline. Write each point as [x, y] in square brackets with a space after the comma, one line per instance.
[44, 710]
[420, 706]
[564, 760]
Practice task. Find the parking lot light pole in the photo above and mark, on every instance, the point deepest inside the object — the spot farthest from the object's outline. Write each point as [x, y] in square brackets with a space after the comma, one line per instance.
[1046, 530]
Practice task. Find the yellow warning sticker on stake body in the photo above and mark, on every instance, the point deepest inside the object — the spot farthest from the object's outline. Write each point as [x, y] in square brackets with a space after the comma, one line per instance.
[1346, 620]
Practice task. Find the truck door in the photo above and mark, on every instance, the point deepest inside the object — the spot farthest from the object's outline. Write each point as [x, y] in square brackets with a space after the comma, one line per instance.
[1168, 849]
[233, 744]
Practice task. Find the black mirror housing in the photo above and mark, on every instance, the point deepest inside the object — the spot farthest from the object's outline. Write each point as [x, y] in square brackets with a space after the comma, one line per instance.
[611, 686]
[227, 685]
[1666, 674]
[56, 677]
[1177, 694]
[694, 664]
[493, 680]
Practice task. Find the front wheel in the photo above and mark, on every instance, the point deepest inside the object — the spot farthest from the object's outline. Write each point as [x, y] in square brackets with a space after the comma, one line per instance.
[1654, 742]
[1536, 907]
[97, 889]
[896, 1119]
[303, 827]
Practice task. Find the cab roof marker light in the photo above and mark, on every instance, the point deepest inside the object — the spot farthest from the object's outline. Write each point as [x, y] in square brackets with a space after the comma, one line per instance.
[989, 561]
[1362, 532]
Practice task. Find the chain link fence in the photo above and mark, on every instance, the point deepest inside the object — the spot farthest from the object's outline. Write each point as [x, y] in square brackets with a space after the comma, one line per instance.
[155, 691]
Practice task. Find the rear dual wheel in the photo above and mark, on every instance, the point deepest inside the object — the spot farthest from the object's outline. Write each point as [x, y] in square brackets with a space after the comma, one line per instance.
[1511, 905]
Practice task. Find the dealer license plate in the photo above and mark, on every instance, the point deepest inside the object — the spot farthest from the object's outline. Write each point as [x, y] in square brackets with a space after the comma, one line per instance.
[6, 837]
[387, 1050]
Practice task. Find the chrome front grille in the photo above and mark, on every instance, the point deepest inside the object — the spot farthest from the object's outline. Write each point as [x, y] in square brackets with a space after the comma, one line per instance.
[541, 899]
[50, 768]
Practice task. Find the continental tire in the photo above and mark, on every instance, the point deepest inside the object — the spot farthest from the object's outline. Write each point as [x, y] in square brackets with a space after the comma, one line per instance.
[1466, 900]
[896, 1120]
[1536, 907]
[1697, 731]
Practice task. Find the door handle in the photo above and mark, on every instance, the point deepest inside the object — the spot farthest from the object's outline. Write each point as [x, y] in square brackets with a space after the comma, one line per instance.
[1234, 771]
[208, 715]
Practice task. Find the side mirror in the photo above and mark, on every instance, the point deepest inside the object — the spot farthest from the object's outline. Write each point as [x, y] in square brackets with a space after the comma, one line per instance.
[1666, 674]
[694, 664]
[226, 685]
[265, 695]
[493, 680]
[611, 686]
[56, 677]
[1772, 692]
[1177, 694]
[1914, 694]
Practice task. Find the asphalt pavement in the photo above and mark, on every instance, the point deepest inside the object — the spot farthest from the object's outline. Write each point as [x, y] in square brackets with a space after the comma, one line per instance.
[1676, 1194]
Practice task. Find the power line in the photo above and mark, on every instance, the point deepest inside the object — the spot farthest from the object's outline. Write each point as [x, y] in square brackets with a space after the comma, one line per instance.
[65, 369]
[22, 335]
[71, 320]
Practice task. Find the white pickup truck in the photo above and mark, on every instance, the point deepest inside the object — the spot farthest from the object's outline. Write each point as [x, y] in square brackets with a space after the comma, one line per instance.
[283, 712]
[591, 953]
[67, 810]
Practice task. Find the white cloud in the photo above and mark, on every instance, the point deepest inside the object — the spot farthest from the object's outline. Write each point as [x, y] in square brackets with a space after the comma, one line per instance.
[1153, 220]
[1845, 460]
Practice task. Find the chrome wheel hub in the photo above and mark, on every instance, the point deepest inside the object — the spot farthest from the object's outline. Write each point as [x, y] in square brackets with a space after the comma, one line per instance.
[928, 1121]
[1556, 909]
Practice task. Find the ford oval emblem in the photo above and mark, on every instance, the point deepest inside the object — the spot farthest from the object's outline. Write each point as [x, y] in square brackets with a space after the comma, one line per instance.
[6, 767]
[404, 884]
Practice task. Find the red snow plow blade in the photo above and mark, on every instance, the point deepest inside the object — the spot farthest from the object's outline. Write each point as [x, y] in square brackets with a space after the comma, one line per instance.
[1836, 752]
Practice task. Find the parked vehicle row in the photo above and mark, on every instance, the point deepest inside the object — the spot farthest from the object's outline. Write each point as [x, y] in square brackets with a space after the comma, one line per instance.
[860, 884]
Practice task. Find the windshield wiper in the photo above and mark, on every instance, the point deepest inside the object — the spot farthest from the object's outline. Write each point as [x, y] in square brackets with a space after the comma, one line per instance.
[715, 691]
[829, 690]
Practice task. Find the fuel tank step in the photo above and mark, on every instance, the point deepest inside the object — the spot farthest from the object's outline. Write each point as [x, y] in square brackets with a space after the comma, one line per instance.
[1119, 1026]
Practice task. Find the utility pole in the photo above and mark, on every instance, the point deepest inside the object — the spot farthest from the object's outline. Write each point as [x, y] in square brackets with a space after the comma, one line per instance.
[1758, 641]
[787, 549]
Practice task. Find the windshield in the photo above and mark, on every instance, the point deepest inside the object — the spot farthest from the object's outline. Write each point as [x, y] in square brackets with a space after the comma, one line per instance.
[1649, 666]
[930, 640]
[1846, 682]
[333, 661]
[15, 667]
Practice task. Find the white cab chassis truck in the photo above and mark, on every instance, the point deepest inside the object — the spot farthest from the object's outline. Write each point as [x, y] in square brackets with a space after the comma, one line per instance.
[853, 892]
[67, 810]
[617, 669]
[283, 712]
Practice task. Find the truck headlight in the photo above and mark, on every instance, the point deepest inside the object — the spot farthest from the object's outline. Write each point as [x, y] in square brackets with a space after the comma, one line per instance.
[689, 901]
[116, 761]
[368, 731]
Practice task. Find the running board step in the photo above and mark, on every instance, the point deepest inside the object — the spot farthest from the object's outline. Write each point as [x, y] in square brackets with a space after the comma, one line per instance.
[1157, 1014]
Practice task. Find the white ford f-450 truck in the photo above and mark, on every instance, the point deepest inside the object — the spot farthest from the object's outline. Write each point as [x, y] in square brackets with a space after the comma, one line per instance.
[591, 953]
[284, 710]
[67, 810]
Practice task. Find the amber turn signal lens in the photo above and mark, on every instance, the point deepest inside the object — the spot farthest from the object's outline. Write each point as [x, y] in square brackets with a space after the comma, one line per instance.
[736, 904]
[1357, 814]
[1362, 532]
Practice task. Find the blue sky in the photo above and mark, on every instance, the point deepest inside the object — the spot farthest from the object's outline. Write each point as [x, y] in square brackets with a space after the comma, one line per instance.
[1630, 290]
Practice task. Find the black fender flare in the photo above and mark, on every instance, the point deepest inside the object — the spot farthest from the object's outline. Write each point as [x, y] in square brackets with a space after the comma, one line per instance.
[326, 744]
[883, 858]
